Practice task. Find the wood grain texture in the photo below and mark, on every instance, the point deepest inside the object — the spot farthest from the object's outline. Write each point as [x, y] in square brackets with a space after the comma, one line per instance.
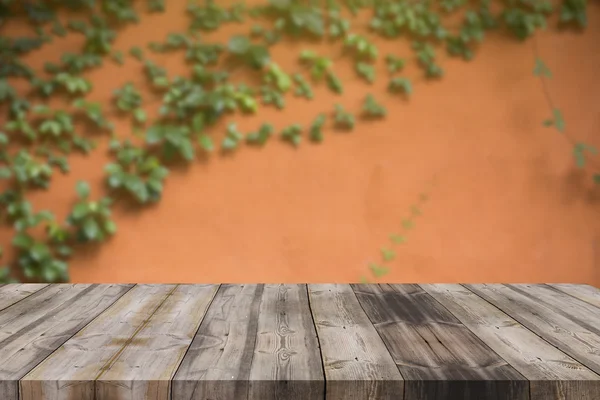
[586, 293]
[357, 364]
[287, 361]
[144, 369]
[13, 293]
[552, 374]
[436, 354]
[71, 371]
[299, 342]
[573, 336]
[257, 342]
[217, 364]
[35, 327]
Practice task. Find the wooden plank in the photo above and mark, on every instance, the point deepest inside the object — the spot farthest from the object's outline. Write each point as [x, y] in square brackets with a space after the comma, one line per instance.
[287, 361]
[15, 292]
[436, 354]
[574, 336]
[553, 375]
[33, 328]
[562, 303]
[129, 352]
[256, 342]
[217, 364]
[357, 364]
[586, 293]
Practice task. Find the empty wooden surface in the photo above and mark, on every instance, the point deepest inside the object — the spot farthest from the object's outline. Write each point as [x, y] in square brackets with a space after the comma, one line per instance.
[294, 341]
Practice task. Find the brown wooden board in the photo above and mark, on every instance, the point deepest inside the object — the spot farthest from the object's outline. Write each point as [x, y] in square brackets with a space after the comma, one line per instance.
[35, 327]
[560, 324]
[357, 363]
[586, 293]
[436, 354]
[257, 342]
[553, 375]
[13, 293]
[299, 342]
[130, 352]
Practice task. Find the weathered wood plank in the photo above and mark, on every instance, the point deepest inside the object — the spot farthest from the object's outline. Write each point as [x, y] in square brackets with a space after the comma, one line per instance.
[257, 342]
[574, 336]
[357, 364]
[586, 293]
[33, 328]
[287, 361]
[552, 374]
[217, 364]
[129, 352]
[437, 355]
[15, 292]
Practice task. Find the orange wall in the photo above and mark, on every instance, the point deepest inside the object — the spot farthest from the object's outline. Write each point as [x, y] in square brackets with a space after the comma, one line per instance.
[509, 204]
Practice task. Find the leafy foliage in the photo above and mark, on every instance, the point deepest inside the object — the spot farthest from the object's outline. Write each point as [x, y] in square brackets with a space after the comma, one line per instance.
[92, 219]
[136, 172]
[37, 139]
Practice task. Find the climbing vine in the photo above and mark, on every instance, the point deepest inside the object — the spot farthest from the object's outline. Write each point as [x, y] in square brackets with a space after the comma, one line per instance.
[388, 254]
[36, 139]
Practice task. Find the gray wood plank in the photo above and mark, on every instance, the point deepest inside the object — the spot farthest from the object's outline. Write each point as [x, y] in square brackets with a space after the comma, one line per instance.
[357, 364]
[89, 365]
[552, 374]
[257, 342]
[287, 362]
[33, 328]
[437, 355]
[14, 292]
[586, 293]
[571, 334]
[217, 364]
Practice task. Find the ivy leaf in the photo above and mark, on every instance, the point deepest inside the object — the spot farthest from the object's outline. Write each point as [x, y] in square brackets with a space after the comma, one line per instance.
[110, 227]
[400, 85]
[334, 83]
[83, 189]
[206, 142]
[229, 143]
[260, 137]
[39, 251]
[198, 123]
[239, 44]
[187, 149]
[80, 210]
[363, 279]
[407, 224]
[372, 109]
[388, 254]
[557, 121]
[366, 71]
[140, 115]
[397, 239]
[22, 240]
[378, 270]
[597, 178]
[154, 134]
[5, 173]
[541, 69]
[91, 230]
[415, 210]
[316, 128]
[579, 153]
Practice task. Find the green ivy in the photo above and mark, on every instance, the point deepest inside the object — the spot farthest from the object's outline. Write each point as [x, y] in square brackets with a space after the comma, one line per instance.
[37, 139]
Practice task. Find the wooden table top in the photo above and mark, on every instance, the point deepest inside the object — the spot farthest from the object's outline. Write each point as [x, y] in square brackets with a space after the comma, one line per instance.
[296, 341]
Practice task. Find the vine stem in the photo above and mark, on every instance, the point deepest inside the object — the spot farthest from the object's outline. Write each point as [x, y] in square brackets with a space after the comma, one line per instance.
[548, 97]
